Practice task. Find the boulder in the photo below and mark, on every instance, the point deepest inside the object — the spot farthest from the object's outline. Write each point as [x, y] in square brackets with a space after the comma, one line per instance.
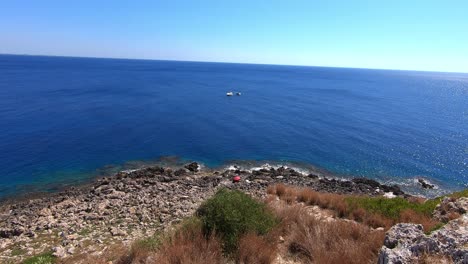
[406, 242]
[116, 231]
[10, 232]
[403, 234]
[450, 208]
[71, 250]
[388, 256]
[425, 184]
[193, 167]
[59, 252]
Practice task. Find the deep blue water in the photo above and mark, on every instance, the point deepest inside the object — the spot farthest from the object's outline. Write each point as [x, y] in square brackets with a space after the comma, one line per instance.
[63, 118]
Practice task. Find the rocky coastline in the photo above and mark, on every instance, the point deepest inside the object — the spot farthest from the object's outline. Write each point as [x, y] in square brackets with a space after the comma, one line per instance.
[137, 203]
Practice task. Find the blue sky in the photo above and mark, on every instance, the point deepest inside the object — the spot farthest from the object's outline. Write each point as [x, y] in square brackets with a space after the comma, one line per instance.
[410, 34]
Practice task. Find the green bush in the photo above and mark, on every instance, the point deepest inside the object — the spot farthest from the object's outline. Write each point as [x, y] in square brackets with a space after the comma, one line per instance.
[44, 258]
[231, 214]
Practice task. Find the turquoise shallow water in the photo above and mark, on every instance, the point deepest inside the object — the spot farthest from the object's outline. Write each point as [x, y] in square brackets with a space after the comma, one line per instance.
[61, 119]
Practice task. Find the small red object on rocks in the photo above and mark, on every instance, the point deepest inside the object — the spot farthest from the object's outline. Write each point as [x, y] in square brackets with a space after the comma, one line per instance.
[236, 179]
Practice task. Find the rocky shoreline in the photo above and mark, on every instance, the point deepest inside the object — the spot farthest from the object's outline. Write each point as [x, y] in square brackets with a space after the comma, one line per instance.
[138, 203]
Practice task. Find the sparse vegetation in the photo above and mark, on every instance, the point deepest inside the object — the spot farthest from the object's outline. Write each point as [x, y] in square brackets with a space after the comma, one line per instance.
[189, 245]
[85, 232]
[373, 211]
[142, 248]
[456, 195]
[17, 251]
[44, 258]
[432, 259]
[334, 242]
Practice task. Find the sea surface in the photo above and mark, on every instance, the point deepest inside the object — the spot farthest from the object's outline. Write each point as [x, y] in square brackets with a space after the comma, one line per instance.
[64, 120]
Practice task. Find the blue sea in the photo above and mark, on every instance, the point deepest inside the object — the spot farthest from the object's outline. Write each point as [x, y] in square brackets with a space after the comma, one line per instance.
[65, 120]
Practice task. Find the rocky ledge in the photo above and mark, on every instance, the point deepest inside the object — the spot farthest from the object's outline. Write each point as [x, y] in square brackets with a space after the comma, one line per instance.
[406, 243]
[138, 203]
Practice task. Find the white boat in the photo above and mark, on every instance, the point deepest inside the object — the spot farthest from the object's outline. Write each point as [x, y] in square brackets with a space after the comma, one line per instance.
[229, 94]
[238, 93]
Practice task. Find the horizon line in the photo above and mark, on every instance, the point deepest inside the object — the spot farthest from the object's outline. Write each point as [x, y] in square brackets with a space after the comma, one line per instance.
[227, 62]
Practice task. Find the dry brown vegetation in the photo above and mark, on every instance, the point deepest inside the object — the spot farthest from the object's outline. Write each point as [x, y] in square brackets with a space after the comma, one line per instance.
[335, 242]
[434, 259]
[186, 244]
[318, 241]
[113, 253]
[345, 206]
[192, 247]
[257, 249]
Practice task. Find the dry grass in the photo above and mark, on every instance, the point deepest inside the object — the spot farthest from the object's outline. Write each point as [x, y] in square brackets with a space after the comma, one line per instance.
[453, 215]
[114, 253]
[319, 241]
[331, 201]
[256, 249]
[416, 199]
[280, 190]
[271, 189]
[378, 220]
[190, 246]
[289, 215]
[187, 244]
[434, 259]
[343, 208]
[289, 197]
[409, 216]
[341, 242]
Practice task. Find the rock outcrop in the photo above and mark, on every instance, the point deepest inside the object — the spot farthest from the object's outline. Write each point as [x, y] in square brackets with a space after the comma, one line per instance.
[425, 184]
[450, 208]
[193, 167]
[404, 243]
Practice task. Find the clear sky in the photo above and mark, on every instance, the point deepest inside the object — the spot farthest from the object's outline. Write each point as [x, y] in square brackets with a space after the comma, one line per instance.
[406, 34]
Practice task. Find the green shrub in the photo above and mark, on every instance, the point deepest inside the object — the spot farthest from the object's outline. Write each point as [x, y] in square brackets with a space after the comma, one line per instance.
[233, 213]
[44, 258]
